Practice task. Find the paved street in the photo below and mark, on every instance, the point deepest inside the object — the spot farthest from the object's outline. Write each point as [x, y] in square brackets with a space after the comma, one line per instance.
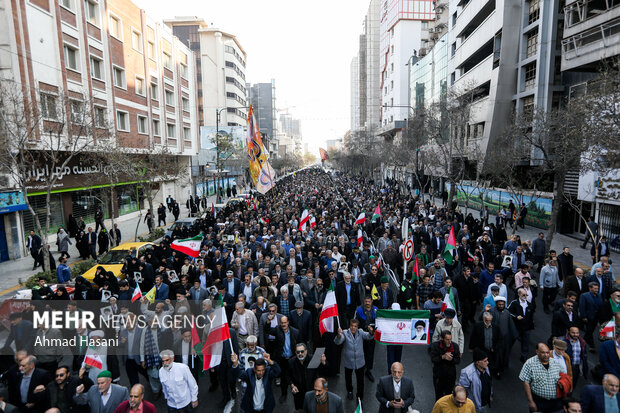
[19, 270]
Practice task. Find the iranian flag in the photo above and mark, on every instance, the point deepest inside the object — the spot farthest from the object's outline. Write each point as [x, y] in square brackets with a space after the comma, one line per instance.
[360, 238]
[312, 222]
[359, 406]
[330, 310]
[377, 213]
[360, 219]
[264, 221]
[218, 334]
[448, 301]
[91, 358]
[450, 246]
[137, 294]
[189, 246]
[303, 222]
[609, 329]
[196, 344]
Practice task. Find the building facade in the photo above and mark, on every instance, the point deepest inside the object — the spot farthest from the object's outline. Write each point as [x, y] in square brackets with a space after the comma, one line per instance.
[138, 76]
[262, 97]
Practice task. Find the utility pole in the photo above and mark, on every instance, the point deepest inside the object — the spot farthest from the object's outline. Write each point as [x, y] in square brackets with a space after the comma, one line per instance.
[217, 151]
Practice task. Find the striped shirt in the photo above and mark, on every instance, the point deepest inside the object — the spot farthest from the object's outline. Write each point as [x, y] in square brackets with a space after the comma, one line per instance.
[542, 380]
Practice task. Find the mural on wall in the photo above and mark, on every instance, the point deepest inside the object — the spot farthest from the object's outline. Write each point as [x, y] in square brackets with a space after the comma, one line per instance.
[538, 208]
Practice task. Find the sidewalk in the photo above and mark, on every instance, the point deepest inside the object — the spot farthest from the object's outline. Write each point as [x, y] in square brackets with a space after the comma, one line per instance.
[21, 269]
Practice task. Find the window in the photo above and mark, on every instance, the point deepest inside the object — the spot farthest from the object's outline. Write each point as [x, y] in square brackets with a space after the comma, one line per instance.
[528, 106]
[530, 74]
[136, 40]
[183, 70]
[151, 50]
[187, 134]
[96, 68]
[156, 131]
[119, 78]
[140, 86]
[167, 61]
[154, 91]
[48, 106]
[171, 130]
[91, 8]
[116, 28]
[185, 102]
[100, 118]
[77, 111]
[534, 11]
[122, 121]
[532, 43]
[71, 57]
[169, 98]
[67, 4]
[142, 124]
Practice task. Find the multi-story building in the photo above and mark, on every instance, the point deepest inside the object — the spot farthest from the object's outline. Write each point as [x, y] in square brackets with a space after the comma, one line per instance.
[506, 52]
[591, 42]
[291, 128]
[401, 24]
[221, 77]
[365, 79]
[138, 76]
[262, 96]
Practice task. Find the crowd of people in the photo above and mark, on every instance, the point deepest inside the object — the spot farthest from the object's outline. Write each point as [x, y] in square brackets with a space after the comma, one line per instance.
[272, 272]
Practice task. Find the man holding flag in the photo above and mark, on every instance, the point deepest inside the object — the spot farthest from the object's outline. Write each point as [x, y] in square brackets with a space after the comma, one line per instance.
[258, 396]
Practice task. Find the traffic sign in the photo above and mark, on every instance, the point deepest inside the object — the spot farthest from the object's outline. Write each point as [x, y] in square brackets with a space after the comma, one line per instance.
[408, 250]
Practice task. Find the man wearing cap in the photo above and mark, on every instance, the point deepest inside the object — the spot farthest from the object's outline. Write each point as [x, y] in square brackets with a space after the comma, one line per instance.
[302, 377]
[449, 323]
[302, 320]
[386, 298]
[178, 384]
[104, 397]
[476, 378]
[559, 354]
[232, 284]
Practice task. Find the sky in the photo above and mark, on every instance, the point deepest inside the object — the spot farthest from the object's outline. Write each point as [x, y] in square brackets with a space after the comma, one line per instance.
[306, 46]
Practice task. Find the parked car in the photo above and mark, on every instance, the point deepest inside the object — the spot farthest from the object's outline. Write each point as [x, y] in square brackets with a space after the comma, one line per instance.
[114, 259]
[183, 222]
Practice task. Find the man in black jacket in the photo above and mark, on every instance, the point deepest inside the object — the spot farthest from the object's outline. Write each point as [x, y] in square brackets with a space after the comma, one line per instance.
[395, 391]
[563, 318]
[522, 313]
[34, 245]
[302, 320]
[347, 298]
[301, 377]
[286, 339]
[30, 398]
[445, 355]
[59, 393]
[486, 336]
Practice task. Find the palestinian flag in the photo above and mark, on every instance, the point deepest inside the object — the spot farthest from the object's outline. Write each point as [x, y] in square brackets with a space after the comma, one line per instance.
[330, 310]
[416, 269]
[218, 334]
[91, 358]
[137, 294]
[448, 301]
[303, 222]
[377, 213]
[189, 246]
[450, 246]
[360, 238]
[360, 219]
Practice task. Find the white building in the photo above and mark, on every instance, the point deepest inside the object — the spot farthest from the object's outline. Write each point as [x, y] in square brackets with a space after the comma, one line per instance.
[401, 30]
[223, 78]
[505, 51]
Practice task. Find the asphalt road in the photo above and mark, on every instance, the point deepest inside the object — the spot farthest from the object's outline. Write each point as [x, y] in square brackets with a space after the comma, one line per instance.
[509, 395]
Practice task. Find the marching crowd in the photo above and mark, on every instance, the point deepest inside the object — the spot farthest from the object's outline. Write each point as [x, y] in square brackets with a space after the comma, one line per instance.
[271, 271]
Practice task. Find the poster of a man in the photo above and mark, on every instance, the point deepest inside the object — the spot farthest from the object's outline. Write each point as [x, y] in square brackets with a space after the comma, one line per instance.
[419, 332]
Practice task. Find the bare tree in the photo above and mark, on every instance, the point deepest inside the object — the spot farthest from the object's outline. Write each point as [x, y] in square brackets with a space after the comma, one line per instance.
[42, 133]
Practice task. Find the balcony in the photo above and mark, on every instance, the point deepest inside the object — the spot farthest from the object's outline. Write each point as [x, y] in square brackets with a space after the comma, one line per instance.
[477, 74]
[591, 45]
